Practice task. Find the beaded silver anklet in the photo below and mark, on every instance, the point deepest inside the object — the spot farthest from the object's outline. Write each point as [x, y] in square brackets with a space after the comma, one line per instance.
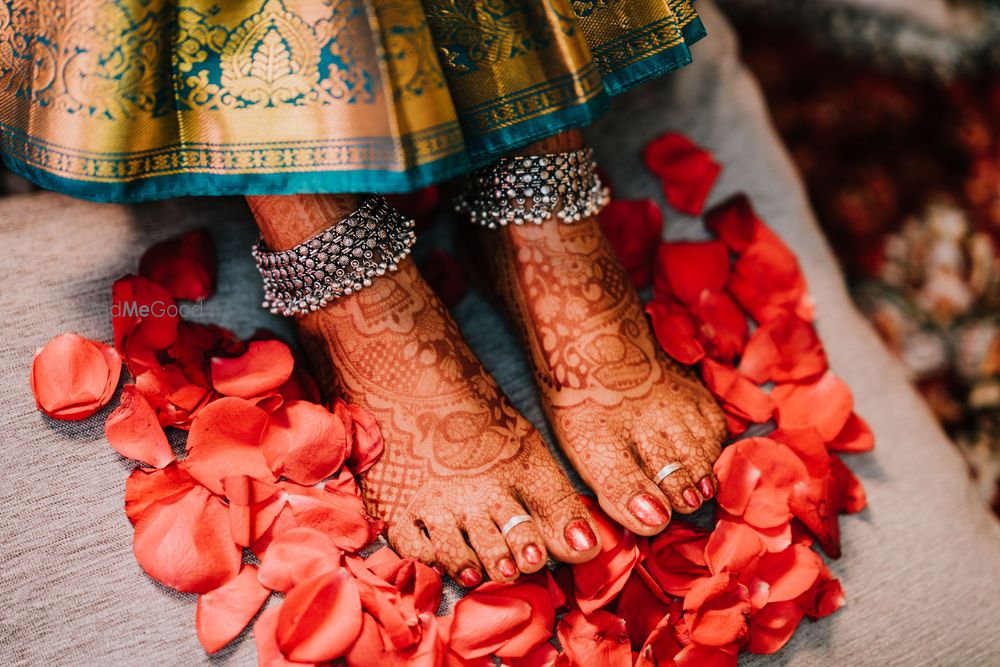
[335, 262]
[531, 188]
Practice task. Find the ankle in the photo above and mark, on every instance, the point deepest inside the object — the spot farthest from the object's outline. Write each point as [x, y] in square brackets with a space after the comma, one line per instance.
[287, 220]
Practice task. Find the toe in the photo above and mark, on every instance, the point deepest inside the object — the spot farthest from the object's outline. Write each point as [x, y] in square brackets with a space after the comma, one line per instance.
[410, 540]
[453, 553]
[523, 537]
[491, 548]
[667, 460]
[626, 492]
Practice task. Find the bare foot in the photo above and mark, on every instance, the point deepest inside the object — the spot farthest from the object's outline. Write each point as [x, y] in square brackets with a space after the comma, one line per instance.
[624, 413]
[460, 462]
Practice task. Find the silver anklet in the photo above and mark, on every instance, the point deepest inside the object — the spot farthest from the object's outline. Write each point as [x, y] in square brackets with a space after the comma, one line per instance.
[336, 262]
[531, 188]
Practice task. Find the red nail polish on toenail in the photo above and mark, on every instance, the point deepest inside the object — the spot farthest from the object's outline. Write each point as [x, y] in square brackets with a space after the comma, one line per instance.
[649, 510]
[532, 554]
[579, 535]
[691, 497]
[707, 488]
[507, 567]
[470, 577]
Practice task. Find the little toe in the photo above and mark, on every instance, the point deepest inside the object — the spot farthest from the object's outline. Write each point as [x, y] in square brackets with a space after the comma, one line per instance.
[409, 540]
[523, 537]
[453, 553]
[491, 548]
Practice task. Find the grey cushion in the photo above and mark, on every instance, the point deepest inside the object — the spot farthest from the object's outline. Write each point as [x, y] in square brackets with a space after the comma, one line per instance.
[921, 567]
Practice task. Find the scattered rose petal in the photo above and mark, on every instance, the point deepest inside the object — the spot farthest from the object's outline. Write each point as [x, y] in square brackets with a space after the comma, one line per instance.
[783, 349]
[145, 487]
[145, 318]
[772, 626]
[268, 653]
[686, 269]
[854, 438]
[675, 331]
[824, 403]
[686, 171]
[224, 441]
[304, 442]
[721, 324]
[596, 639]
[633, 227]
[367, 442]
[134, 431]
[266, 365]
[676, 557]
[716, 610]
[641, 608]
[253, 506]
[320, 618]
[600, 579]
[222, 614]
[297, 555]
[185, 266]
[72, 377]
[184, 542]
[739, 395]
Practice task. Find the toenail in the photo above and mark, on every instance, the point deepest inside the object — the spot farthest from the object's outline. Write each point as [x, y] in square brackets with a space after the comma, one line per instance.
[507, 567]
[707, 488]
[691, 497]
[579, 535]
[649, 510]
[532, 554]
[470, 577]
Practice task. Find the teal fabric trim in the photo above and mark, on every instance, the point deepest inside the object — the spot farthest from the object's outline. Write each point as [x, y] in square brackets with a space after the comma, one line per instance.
[673, 58]
[201, 184]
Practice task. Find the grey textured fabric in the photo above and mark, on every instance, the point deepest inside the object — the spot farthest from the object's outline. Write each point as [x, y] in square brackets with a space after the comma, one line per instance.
[921, 567]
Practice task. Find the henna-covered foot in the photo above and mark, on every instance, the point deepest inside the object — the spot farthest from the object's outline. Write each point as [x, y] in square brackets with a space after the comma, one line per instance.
[459, 462]
[623, 412]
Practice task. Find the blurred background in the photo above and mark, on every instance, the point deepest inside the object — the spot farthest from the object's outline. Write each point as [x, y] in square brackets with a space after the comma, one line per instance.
[891, 111]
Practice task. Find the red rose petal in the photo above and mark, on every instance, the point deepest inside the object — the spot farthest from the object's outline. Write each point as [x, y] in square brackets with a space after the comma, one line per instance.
[145, 319]
[676, 558]
[268, 653]
[756, 479]
[675, 331]
[633, 228]
[853, 494]
[298, 555]
[854, 438]
[222, 614]
[734, 222]
[266, 365]
[184, 542]
[722, 325]
[543, 656]
[824, 403]
[341, 516]
[600, 579]
[716, 610]
[224, 441]
[175, 399]
[686, 269]
[484, 623]
[145, 487]
[253, 507]
[660, 646]
[773, 626]
[195, 345]
[596, 639]
[738, 393]
[825, 597]
[789, 573]
[641, 608]
[695, 655]
[134, 431]
[733, 547]
[367, 442]
[304, 442]
[783, 349]
[540, 623]
[767, 282]
[72, 377]
[321, 618]
[686, 170]
[185, 266]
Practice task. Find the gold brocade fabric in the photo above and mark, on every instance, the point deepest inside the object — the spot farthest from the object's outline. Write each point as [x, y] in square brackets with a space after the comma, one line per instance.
[133, 99]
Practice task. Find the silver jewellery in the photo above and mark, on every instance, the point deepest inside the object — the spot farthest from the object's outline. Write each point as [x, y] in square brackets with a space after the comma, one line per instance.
[667, 471]
[336, 262]
[530, 188]
[513, 523]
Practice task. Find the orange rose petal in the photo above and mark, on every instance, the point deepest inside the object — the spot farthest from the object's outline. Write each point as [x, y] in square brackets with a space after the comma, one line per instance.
[369, 648]
[224, 441]
[736, 425]
[381, 595]
[789, 573]
[675, 331]
[185, 266]
[485, 622]
[134, 431]
[145, 487]
[184, 542]
[367, 442]
[808, 444]
[641, 608]
[196, 343]
[304, 442]
[339, 515]
[297, 555]
[175, 399]
[825, 597]
[716, 610]
[320, 618]
[253, 507]
[600, 579]
[221, 614]
[686, 269]
[733, 547]
[723, 326]
[540, 625]
[824, 403]
[268, 653]
[773, 626]
[676, 558]
[545, 655]
[595, 639]
[145, 320]
[686, 170]
[72, 377]
[695, 655]
[783, 349]
[737, 392]
[266, 365]
[854, 438]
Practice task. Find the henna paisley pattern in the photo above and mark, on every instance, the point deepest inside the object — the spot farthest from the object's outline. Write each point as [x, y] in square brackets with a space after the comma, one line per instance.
[459, 460]
[620, 408]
